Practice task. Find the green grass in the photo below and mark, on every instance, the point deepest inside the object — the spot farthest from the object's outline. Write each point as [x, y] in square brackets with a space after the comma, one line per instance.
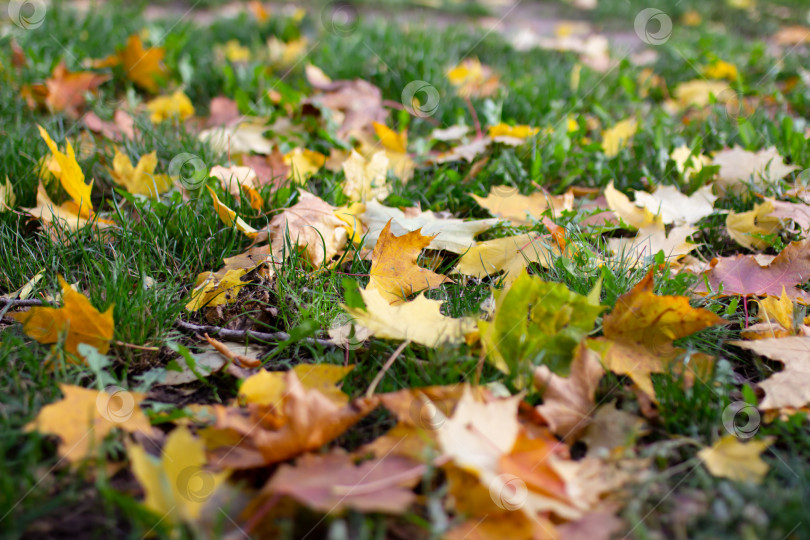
[147, 265]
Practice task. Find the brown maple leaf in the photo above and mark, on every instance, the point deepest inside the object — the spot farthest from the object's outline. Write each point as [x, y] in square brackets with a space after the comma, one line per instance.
[742, 275]
[256, 436]
[332, 483]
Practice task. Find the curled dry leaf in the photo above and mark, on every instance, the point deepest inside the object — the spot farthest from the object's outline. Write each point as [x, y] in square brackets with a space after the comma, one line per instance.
[568, 402]
[450, 234]
[251, 437]
[312, 227]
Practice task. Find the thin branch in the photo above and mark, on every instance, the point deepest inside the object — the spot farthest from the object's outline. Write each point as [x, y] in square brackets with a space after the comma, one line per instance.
[14, 302]
[240, 336]
[386, 367]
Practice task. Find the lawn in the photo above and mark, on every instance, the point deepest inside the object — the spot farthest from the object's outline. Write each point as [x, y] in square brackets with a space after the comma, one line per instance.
[405, 270]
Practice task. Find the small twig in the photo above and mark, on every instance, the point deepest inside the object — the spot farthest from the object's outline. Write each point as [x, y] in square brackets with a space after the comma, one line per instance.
[139, 347]
[385, 368]
[240, 336]
[477, 123]
[22, 303]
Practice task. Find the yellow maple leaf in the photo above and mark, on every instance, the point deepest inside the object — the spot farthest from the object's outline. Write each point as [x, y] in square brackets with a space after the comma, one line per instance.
[84, 417]
[78, 319]
[174, 107]
[394, 271]
[230, 218]
[739, 461]
[267, 388]
[303, 163]
[721, 70]
[140, 179]
[70, 175]
[419, 320]
[639, 332]
[390, 139]
[473, 79]
[177, 484]
[508, 203]
[518, 132]
[366, 179]
[616, 138]
[744, 227]
[637, 217]
[7, 198]
[215, 289]
[510, 254]
[778, 309]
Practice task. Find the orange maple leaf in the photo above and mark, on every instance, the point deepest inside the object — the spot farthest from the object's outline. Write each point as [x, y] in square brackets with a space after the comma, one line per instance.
[639, 332]
[81, 322]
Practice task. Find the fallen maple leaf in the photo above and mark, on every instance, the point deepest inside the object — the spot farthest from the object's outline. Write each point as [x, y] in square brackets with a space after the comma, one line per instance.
[122, 126]
[216, 289]
[743, 275]
[616, 138]
[611, 431]
[652, 239]
[568, 402]
[738, 167]
[84, 418]
[508, 203]
[77, 319]
[736, 460]
[419, 320]
[237, 179]
[537, 322]
[635, 216]
[394, 270]
[267, 388]
[746, 227]
[174, 107]
[229, 217]
[359, 101]
[796, 212]
[312, 227]
[698, 93]
[332, 483]
[142, 66]
[510, 254]
[306, 420]
[639, 332]
[141, 179]
[473, 79]
[177, 484]
[65, 91]
[241, 138]
[70, 175]
[675, 207]
[366, 179]
[449, 234]
[303, 163]
[790, 387]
